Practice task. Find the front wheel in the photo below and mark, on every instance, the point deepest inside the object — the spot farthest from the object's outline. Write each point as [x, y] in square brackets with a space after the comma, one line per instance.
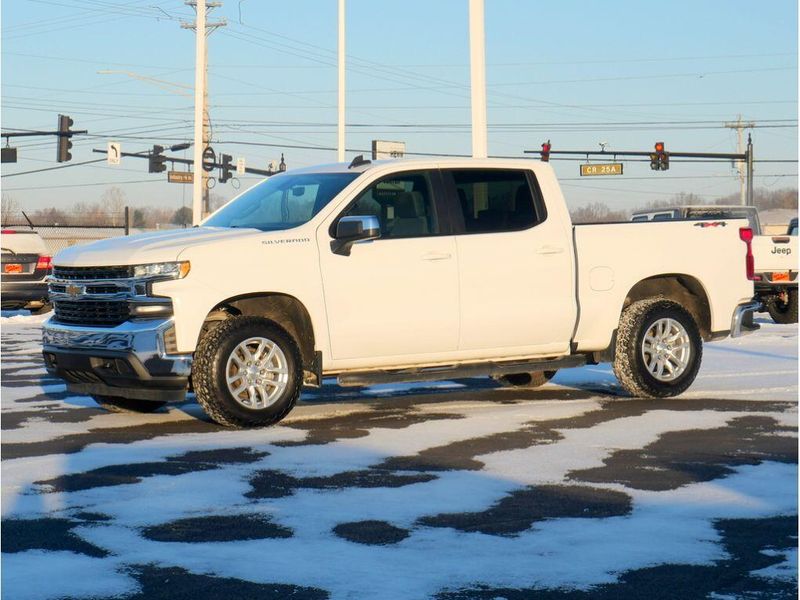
[658, 350]
[783, 307]
[118, 404]
[247, 372]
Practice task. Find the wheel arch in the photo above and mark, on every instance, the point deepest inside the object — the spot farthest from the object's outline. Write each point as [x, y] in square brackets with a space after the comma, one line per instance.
[285, 310]
[683, 289]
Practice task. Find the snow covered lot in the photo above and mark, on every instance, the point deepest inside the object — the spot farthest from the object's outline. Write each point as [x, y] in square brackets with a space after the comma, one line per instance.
[450, 490]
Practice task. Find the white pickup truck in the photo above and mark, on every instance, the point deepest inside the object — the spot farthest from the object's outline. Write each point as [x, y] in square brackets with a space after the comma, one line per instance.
[775, 256]
[391, 271]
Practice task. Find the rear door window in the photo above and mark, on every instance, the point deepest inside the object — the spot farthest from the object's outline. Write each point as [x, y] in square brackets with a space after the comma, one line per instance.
[495, 200]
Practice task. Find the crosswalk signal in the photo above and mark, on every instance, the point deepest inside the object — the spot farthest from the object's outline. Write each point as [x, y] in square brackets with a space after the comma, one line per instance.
[225, 167]
[64, 138]
[157, 161]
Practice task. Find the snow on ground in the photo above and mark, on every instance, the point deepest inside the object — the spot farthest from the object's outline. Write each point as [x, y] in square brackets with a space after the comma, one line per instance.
[408, 491]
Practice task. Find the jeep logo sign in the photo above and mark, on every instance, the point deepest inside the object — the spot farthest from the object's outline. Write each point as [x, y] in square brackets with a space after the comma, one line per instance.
[786, 251]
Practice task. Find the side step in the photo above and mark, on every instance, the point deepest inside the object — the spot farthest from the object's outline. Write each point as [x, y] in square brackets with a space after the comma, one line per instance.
[365, 378]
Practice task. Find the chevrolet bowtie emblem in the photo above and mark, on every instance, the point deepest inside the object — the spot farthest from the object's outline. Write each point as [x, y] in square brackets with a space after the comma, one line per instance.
[74, 290]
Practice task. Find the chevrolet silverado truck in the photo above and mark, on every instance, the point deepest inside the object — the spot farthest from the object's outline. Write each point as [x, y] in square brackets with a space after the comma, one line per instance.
[775, 256]
[391, 271]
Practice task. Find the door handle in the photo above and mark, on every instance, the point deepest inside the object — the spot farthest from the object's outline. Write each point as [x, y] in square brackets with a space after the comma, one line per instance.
[549, 250]
[437, 256]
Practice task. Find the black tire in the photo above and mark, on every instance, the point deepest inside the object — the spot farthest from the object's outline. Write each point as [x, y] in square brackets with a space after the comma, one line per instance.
[47, 307]
[209, 372]
[532, 379]
[783, 313]
[629, 362]
[117, 404]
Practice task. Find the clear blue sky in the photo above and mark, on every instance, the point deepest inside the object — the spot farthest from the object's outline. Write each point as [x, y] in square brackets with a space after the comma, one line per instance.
[627, 73]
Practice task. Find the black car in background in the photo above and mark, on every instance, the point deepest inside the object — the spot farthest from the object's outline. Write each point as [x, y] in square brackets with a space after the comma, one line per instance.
[26, 262]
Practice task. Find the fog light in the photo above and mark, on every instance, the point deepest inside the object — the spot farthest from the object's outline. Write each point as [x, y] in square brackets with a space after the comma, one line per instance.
[151, 309]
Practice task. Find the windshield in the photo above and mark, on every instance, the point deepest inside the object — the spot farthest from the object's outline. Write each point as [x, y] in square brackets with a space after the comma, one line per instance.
[281, 202]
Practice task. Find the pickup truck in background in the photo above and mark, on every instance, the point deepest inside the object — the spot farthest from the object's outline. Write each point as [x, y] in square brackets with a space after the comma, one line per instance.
[391, 271]
[775, 256]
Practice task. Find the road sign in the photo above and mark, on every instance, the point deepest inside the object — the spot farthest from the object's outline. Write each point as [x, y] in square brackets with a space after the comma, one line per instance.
[9, 155]
[601, 169]
[384, 149]
[209, 159]
[240, 165]
[180, 176]
[114, 153]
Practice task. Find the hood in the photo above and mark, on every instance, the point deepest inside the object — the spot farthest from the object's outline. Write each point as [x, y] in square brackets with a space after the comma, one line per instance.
[158, 246]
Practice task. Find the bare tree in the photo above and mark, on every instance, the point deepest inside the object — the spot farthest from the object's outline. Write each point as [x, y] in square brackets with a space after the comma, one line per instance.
[113, 201]
[9, 208]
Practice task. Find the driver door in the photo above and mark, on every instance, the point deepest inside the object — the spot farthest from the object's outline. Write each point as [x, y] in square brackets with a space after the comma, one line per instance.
[395, 299]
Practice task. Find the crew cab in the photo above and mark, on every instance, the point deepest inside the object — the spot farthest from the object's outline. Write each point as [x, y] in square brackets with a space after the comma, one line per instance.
[391, 271]
[775, 257]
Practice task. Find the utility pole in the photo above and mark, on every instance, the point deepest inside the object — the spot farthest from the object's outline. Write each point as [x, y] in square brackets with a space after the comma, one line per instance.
[741, 165]
[201, 121]
[477, 62]
[341, 65]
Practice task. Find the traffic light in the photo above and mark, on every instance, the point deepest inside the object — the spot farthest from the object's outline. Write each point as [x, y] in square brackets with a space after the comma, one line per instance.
[64, 138]
[225, 167]
[157, 160]
[659, 161]
[546, 151]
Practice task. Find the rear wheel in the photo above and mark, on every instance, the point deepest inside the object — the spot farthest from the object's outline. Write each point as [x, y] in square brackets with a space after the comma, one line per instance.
[783, 307]
[532, 379]
[118, 404]
[658, 349]
[247, 372]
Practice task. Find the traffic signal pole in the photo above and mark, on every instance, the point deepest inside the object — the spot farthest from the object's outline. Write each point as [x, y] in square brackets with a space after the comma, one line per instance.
[747, 158]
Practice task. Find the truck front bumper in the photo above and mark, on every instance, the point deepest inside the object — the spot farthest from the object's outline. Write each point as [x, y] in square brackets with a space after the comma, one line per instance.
[129, 360]
[742, 320]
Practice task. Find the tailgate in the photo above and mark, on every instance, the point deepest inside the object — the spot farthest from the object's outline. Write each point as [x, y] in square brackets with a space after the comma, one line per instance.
[776, 257]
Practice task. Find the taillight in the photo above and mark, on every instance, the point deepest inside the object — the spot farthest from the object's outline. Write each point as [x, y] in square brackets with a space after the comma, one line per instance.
[746, 235]
[44, 262]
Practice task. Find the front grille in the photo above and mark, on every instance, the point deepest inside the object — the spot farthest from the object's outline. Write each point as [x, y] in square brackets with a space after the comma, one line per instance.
[84, 273]
[91, 312]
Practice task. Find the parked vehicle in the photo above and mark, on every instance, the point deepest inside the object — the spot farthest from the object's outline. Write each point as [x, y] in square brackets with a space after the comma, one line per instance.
[26, 262]
[775, 256]
[386, 272]
[792, 229]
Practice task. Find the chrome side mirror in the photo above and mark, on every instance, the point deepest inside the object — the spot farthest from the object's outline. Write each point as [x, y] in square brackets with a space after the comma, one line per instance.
[350, 230]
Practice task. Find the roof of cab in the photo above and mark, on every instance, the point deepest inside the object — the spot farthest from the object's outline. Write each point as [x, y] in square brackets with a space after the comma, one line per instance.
[420, 163]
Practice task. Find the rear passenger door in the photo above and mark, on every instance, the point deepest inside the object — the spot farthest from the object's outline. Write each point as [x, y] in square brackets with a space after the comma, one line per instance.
[394, 300]
[515, 267]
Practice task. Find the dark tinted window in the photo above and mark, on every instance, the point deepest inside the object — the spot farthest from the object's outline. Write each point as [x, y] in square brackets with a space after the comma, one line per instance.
[403, 204]
[494, 200]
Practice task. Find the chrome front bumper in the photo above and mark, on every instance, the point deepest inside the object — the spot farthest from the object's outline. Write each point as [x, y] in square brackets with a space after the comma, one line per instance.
[129, 360]
[742, 320]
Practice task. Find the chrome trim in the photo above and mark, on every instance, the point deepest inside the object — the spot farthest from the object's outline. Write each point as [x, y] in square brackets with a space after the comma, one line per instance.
[145, 339]
[739, 315]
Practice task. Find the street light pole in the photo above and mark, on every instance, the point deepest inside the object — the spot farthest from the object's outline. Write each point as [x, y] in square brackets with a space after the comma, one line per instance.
[341, 64]
[477, 62]
[199, 111]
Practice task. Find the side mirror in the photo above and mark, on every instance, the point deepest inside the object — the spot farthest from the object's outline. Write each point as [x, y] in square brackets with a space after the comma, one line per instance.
[350, 230]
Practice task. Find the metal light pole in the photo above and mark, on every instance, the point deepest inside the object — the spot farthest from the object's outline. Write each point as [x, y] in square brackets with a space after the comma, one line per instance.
[477, 61]
[340, 126]
[199, 111]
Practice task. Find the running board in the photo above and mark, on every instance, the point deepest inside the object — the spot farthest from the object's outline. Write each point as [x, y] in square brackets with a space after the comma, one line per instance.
[365, 378]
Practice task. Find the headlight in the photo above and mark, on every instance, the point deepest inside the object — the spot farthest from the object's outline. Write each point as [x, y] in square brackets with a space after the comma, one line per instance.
[165, 270]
